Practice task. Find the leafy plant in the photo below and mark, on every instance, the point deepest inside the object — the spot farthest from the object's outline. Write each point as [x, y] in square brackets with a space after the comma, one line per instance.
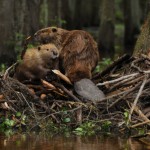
[103, 64]
[106, 126]
[126, 117]
[2, 67]
[12, 121]
[87, 128]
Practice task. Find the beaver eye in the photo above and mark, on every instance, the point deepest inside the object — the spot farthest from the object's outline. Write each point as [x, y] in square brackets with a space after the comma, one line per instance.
[54, 30]
[47, 49]
[39, 48]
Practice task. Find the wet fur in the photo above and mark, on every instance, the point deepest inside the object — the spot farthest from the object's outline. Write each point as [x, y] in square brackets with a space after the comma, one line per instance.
[78, 51]
[37, 62]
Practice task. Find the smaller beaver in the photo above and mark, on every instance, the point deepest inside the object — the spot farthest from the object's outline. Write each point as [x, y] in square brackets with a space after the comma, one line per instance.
[37, 62]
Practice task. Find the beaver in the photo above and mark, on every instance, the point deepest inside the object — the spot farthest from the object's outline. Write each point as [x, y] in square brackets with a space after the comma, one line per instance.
[37, 62]
[79, 56]
[78, 51]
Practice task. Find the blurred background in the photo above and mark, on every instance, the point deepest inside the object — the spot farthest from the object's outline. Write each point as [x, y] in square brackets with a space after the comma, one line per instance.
[114, 24]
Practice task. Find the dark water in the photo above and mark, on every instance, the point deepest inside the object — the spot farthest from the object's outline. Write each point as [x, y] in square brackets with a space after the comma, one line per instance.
[39, 142]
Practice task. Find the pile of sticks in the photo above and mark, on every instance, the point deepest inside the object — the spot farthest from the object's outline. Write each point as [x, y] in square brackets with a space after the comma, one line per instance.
[126, 84]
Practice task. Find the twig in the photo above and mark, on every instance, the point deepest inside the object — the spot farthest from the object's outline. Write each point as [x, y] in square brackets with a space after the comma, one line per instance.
[136, 67]
[66, 91]
[120, 83]
[59, 112]
[112, 96]
[122, 78]
[140, 113]
[119, 79]
[145, 57]
[114, 64]
[137, 97]
[29, 106]
[6, 74]
[139, 124]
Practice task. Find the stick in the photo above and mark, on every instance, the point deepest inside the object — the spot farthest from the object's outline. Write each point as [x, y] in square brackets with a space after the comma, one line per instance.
[68, 92]
[119, 79]
[139, 124]
[137, 97]
[118, 61]
[6, 74]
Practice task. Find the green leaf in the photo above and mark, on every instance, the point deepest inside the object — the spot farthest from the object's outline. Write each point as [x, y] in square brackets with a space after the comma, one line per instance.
[9, 123]
[126, 114]
[18, 114]
[79, 129]
[67, 120]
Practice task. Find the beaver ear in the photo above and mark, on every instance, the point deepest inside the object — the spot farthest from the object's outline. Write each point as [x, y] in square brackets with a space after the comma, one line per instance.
[54, 29]
[39, 48]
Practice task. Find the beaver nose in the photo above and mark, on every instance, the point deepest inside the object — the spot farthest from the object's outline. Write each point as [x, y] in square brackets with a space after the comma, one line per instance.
[55, 54]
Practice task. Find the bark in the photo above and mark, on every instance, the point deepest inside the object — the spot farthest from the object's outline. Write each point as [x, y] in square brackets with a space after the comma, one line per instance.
[132, 13]
[18, 20]
[33, 16]
[7, 53]
[106, 30]
[143, 41]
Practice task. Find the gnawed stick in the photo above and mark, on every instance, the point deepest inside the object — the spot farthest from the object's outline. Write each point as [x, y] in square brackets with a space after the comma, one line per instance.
[62, 76]
[48, 85]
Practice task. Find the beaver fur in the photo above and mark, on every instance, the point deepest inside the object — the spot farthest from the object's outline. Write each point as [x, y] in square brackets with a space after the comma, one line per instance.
[78, 51]
[37, 62]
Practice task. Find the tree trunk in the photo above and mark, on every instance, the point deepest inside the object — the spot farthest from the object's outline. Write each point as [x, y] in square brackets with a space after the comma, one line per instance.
[106, 30]
[143, 42]
[132, 13]
[7, 53]
[33, 16]
[18, 18]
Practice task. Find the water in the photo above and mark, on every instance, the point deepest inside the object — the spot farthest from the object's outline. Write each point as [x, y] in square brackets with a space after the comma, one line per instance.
[38, 142]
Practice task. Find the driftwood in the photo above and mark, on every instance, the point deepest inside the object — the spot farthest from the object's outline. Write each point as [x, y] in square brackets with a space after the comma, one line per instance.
[126, 84]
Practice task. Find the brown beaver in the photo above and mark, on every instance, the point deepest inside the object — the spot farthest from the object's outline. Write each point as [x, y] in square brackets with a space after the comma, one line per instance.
[78, 58]
[78, 51]
[37, 62]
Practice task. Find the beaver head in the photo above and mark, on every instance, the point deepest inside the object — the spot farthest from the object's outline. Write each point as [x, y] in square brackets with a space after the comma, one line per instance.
[50, 35]
[48, 51]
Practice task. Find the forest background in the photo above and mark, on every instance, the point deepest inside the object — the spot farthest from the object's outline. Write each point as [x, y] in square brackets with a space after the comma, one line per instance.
[114, 24]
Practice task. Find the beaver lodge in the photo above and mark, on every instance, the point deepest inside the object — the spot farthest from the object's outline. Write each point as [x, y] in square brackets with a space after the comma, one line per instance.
[126, 84]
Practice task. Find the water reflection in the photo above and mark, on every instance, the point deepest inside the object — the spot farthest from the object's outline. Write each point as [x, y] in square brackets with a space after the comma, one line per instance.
[38, 142]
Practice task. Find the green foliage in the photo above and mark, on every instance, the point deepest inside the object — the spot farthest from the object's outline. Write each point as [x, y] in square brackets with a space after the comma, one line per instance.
[87, 128]
[106, 126]
[53, 128]
[103, 64]
[30, 46]
[7, 124]
[44, 14]
[57, 21]
[12, 121]
[19, 37]
[2, 68]
[118, 11]
[126, 117]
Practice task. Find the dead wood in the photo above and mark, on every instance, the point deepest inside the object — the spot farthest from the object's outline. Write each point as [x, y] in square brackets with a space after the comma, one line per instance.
[126, 84]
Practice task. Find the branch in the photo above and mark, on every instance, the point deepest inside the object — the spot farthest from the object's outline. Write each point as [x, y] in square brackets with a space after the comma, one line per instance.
[137, 97]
